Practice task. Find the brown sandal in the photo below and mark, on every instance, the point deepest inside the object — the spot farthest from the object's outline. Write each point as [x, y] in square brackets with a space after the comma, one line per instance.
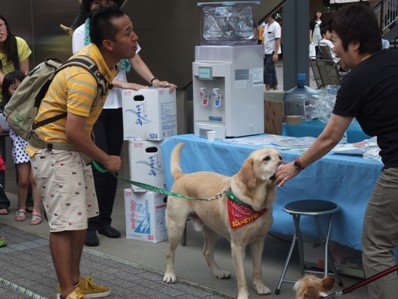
[20, 215]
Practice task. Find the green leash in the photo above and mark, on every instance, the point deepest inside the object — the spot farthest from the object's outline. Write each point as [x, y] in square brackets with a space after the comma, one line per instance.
[154, 188]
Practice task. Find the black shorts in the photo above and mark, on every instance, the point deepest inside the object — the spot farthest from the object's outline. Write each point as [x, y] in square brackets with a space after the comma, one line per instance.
[269, 71]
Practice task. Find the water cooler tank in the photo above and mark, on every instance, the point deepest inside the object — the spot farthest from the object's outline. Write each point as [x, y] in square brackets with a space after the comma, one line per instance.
[300, 100]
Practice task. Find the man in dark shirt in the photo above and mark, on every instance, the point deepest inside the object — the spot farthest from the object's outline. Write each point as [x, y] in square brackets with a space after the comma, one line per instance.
[369, 92]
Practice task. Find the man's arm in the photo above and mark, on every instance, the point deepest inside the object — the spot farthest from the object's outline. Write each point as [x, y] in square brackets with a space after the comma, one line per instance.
[275, 57]
[143, 70]
[76, 134]
[24, 66]
[325, 142]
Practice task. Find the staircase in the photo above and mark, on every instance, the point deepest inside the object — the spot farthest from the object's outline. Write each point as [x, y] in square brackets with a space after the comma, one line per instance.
[387, 14]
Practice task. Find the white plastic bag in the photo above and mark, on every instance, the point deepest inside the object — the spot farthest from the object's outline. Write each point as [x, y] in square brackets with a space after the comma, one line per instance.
[312, 50]
[372, 149]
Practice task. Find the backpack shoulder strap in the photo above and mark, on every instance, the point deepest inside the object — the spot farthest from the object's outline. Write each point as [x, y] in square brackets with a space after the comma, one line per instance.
[90, 65]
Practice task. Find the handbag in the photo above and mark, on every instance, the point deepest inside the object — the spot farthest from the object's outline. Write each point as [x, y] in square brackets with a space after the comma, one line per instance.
[312, 51]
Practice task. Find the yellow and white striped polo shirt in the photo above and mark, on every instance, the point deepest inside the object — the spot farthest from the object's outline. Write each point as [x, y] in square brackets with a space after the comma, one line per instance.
[74, 90]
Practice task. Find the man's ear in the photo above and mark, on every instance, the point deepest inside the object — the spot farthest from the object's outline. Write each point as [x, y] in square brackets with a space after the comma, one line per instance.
[107, 44]
[355, 45]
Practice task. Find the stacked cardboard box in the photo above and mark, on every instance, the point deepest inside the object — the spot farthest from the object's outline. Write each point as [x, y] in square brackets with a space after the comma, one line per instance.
[149, 117]
[273, 112]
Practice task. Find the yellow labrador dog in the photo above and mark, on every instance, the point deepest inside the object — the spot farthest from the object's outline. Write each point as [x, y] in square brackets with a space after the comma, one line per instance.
[312, 287]
[242, 212]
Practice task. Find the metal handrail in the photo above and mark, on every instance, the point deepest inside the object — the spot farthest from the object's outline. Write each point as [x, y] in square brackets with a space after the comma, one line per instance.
[387, 13]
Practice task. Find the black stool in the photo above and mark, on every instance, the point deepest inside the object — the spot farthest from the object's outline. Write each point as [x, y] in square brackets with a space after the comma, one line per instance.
[316, 208]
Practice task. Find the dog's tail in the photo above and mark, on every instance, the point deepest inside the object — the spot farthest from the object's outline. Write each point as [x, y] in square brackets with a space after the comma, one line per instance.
[175, 168]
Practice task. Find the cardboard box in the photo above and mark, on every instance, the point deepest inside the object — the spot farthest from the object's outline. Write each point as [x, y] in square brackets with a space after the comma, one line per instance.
[145, 216]
[146, 164]
[274, 111]
[149, 114]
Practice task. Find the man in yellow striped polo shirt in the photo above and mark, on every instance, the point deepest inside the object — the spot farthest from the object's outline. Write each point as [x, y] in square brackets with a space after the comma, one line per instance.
[62, 174]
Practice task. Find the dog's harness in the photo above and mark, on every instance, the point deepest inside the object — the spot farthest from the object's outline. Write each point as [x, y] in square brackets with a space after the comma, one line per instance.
[239, 212]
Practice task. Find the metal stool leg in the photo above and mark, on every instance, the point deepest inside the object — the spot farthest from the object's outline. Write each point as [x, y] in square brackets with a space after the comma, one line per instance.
[322, 242]
[325, 242]
[329, 258]
[282, 278]
[296, 219]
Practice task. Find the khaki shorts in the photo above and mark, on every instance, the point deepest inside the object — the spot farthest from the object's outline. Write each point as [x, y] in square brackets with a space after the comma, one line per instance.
[66, 187]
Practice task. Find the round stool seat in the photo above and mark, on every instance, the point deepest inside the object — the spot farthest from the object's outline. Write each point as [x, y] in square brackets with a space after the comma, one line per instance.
[311, 207]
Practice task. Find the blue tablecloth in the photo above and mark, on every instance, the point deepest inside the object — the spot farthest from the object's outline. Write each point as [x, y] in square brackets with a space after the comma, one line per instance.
[346, 180]
[314, 127]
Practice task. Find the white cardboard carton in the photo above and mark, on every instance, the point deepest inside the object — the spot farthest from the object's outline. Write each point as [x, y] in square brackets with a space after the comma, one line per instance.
[146, 164]
[145, 216]
[149, 114]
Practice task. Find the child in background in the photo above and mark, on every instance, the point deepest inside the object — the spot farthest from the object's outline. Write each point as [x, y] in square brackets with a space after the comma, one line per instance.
[11, 82]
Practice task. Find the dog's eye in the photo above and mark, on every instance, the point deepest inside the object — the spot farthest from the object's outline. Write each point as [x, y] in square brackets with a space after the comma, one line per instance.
[267, 158]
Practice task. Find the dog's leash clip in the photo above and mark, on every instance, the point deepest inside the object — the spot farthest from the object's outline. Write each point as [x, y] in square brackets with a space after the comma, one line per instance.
[218, 196]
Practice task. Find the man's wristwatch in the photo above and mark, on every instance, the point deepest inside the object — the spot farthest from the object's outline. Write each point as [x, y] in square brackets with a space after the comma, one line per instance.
[297, 164]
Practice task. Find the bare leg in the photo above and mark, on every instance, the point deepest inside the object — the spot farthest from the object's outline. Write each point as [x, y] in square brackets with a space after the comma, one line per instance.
[23, 183]
[35, 193]
[66, 250]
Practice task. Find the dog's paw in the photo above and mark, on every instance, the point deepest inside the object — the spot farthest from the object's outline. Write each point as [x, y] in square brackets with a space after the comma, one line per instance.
[243, 295]
[261, 289]
[169, 278]
[220, 274]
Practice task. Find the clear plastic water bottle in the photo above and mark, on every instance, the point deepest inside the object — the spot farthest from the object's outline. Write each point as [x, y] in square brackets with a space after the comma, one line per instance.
[300, 100]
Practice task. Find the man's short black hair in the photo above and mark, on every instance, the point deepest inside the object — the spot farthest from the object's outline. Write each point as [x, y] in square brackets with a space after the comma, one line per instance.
[101, 26]
[324, 29]
[358, 23]
[86, 4]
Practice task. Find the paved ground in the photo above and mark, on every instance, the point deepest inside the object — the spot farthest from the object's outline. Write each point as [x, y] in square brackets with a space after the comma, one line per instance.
[26, 262]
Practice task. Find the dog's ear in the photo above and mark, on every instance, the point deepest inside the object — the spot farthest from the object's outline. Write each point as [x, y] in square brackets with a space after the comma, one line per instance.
[246, 173]
[328, 282]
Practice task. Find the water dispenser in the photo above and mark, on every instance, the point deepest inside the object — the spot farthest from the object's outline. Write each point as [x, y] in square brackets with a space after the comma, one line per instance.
[228, 90]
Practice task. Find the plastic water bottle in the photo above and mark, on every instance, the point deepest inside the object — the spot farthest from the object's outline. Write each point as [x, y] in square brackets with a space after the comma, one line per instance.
[300, 100]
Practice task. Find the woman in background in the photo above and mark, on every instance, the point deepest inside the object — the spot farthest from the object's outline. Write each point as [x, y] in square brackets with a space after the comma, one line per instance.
[14, 51]
[315, 29]
[14, 55]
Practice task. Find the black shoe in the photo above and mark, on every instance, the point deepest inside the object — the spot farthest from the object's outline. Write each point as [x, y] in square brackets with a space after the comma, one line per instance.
[109, 231]
[91, 238]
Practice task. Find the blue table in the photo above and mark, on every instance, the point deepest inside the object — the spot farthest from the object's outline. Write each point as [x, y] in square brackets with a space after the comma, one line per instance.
[346, 180]
[314, 127]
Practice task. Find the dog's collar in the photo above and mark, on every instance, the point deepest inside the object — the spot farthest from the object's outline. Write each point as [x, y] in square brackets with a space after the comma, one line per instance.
[234, 198]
